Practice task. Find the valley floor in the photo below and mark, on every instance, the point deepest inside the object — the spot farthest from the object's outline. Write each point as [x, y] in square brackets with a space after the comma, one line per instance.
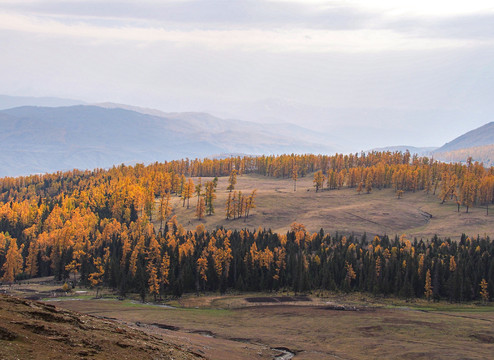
[320, 325]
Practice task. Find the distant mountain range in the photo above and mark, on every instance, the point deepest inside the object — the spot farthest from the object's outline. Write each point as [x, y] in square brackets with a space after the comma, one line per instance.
[45, 139]
[65, 134]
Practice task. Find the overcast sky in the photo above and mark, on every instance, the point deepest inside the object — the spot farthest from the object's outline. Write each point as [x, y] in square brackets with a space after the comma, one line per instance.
[391, 64]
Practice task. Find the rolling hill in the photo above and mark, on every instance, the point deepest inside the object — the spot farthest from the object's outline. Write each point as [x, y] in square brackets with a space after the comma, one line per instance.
[477, 144]
[47, 139]
[483, 135]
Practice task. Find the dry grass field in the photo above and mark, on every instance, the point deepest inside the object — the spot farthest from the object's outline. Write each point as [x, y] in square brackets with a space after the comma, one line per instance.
[328, 327]
[344, 211]
[274, 326]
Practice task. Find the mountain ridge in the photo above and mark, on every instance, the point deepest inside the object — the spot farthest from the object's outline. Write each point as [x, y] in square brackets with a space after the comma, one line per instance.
[45, 139]
[480, 136]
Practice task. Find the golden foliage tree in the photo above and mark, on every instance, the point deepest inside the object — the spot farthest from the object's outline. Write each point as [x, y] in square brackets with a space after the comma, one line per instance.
[428, 285]
[13, 262]
[484, 290]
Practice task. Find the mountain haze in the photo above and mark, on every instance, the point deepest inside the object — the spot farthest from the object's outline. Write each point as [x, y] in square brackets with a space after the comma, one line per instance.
[8, 102]
[44, 139]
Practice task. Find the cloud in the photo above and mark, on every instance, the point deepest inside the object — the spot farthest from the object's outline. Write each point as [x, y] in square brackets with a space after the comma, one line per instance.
[252, 39]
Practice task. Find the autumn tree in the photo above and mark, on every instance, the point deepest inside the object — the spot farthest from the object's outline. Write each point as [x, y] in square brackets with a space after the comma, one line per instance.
[13, 262]
[165, 208]
[318, 180]
[189, 191]
[368, 183]
[468, 191]
[229, 207]
[294, 176]
[153, 282]
[210, 196]
[232, 180]
[360, 187]
[350, 274]
[198, 189]
[484, 291]
[96, 278]
[486, 192]
[200, 208]
[250, 203]
[428, 285]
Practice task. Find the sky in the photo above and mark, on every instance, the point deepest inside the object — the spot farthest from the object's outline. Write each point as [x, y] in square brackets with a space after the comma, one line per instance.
[374, 73]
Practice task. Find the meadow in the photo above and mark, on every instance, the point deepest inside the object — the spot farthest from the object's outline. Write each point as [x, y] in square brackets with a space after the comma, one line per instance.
[318, 326]
[380, 212]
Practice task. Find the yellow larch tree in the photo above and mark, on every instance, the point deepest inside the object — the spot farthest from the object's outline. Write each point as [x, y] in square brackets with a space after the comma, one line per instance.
[13, 262]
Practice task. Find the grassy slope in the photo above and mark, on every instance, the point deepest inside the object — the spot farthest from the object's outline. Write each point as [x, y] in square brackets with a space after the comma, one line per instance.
[340, 210]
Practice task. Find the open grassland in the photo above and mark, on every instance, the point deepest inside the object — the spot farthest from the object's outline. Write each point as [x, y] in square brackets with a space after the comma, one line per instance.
[320, 325]
[323, 327]
[344, 211]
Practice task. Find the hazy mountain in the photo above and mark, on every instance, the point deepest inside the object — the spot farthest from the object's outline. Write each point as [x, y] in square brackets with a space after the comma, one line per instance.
[7, 101]
[483, 135]
[45, 139]
[483, 154]
[363, 128]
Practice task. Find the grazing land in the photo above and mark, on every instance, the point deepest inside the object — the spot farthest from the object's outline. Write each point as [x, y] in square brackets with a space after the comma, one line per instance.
[283, 325]
[332, 326]
[416, 214]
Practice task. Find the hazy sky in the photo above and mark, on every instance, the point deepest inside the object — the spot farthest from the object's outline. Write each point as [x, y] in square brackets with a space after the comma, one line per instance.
[387, 64]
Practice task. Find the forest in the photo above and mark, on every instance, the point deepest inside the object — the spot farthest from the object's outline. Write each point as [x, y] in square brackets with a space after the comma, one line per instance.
[116, 228]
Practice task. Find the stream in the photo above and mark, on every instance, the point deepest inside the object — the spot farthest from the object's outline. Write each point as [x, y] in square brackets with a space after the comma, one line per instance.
[286, 354]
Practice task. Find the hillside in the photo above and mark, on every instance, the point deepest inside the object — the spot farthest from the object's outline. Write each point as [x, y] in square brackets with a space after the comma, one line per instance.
[483, 154]
[28, 326]
[342, 211]
[483, 135]
[43, 139]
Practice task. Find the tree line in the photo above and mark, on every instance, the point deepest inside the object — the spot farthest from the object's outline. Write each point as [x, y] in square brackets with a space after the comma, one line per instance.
[99, 225]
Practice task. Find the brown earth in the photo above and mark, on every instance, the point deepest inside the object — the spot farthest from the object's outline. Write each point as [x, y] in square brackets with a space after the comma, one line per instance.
[35, 330]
